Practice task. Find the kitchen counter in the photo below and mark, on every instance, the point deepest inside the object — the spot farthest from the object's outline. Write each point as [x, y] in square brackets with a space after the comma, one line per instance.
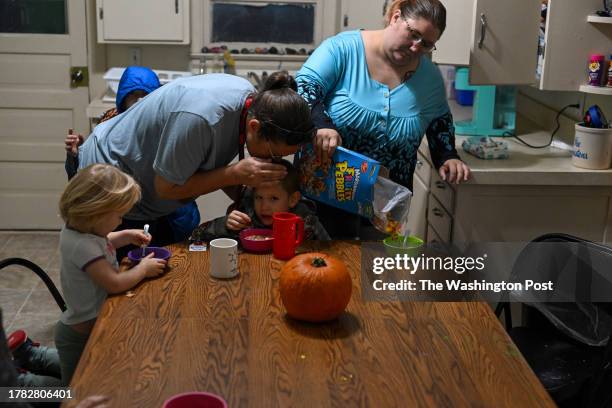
[527, 166]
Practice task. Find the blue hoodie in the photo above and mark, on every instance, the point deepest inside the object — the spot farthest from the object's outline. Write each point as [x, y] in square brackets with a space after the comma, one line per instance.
[134, 79]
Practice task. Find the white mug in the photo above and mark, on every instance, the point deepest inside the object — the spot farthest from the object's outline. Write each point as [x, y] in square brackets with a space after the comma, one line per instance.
[223, 258]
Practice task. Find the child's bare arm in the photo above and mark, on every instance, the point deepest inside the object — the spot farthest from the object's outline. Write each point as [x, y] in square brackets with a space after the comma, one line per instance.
[125, 237]
[105, 275]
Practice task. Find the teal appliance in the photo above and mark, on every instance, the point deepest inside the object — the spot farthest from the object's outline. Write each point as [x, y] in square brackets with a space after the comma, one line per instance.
[494, 109]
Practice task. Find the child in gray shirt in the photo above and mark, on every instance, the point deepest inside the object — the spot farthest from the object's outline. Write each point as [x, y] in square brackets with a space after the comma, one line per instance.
[92, 205]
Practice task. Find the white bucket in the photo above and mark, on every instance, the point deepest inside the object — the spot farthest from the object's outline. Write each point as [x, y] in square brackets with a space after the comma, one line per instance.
[592, 148]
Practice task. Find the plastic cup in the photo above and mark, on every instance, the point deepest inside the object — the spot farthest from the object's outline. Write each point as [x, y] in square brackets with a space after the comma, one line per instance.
[395, 246]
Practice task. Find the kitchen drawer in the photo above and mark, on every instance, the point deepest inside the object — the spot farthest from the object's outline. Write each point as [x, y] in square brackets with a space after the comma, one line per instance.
[423, 169]
[443, 191]
[439, 218]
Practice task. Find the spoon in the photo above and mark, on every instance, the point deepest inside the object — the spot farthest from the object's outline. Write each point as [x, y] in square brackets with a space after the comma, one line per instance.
[146, 232]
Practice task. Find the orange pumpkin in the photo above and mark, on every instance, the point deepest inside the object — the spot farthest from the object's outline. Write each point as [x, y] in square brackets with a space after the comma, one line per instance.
[315, 287]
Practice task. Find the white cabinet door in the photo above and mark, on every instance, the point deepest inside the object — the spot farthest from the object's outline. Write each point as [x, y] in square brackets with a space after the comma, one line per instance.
[143, 21]
[505, 40]
[570, 39]
[417, 218]
[453, 48]
[366, 14]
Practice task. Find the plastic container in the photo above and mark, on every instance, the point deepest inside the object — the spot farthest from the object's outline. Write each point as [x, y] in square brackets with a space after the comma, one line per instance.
[113, 76]
[259, 245]
[592, 148]
[195, 400]
[135, 255]
[596, 69]
[609, 82]
[464, 97]
[395, 245]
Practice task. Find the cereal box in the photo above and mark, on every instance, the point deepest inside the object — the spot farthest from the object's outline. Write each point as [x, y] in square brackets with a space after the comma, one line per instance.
[346, 183]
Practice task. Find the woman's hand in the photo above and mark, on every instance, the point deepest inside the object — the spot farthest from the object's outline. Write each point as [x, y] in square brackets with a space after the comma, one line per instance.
[255, 172]
[237, 221]
[454, 171]
[72, 142]
[325, 143]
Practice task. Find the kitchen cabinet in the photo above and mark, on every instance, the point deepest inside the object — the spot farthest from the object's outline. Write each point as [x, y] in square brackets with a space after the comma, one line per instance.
[143, 21]
[498, 40]
[518, 199]
[417, 217]
[366, 14]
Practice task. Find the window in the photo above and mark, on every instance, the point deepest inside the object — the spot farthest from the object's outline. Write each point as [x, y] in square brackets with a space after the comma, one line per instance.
[265, 23]
[253, 23]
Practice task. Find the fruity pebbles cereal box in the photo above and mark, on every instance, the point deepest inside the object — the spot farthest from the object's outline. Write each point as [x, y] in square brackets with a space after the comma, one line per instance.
[346, 182]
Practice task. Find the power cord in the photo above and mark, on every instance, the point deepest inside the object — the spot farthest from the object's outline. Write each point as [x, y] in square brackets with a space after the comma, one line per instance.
[552, 135]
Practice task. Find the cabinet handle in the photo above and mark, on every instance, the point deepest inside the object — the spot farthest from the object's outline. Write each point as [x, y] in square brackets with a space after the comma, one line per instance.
[440, 184]
[437, 212]
[483, 29]
[176, 10]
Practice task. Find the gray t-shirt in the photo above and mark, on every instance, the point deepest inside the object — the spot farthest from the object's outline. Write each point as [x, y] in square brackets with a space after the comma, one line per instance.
[83, 296]
[189, 125]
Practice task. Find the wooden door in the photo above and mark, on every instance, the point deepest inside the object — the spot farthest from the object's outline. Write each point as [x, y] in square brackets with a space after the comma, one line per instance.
[38, 47]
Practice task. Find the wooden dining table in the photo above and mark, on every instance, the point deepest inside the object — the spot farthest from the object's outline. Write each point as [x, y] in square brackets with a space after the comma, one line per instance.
[186, 331]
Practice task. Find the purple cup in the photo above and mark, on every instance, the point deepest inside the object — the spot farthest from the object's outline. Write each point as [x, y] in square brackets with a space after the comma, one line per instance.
[135, 255]
[195, 400]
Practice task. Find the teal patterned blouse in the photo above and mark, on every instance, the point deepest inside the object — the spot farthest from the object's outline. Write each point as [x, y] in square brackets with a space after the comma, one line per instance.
[384, 124]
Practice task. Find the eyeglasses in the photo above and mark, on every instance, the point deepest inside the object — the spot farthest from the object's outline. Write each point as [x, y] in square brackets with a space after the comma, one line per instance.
[417, 38]
[275, 158]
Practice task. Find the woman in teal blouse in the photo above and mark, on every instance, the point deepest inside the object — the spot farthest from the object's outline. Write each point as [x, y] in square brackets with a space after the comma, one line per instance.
[378, 93]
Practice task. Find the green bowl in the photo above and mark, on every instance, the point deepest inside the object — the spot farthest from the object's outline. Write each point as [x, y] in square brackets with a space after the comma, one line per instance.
[414, 246]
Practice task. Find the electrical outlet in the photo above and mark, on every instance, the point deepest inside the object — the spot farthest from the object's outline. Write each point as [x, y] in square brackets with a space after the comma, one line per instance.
[135, 56]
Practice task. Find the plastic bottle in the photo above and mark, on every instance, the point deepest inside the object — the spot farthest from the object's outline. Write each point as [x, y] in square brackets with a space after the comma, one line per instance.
[609, 83]
[596, 69]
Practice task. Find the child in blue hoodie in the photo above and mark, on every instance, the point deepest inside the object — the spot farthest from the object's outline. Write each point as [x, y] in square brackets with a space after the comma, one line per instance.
[135, 83]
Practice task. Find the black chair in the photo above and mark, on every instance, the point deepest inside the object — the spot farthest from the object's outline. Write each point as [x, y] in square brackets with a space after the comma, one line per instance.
[567, 343]
[41, 274]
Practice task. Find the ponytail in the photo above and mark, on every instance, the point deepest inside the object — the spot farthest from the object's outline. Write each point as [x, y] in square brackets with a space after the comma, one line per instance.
[284, 115]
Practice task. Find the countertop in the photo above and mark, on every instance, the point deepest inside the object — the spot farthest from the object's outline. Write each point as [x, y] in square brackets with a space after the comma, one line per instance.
[527, 166]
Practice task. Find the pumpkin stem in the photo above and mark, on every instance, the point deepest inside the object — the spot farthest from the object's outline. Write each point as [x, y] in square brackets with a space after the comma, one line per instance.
[318, 262]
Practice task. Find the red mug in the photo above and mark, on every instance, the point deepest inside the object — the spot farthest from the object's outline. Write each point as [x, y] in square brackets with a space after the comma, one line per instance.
[288, 233]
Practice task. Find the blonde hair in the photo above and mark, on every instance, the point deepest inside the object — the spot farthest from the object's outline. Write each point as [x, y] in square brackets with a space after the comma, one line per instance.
[97, 190]
[430, 10]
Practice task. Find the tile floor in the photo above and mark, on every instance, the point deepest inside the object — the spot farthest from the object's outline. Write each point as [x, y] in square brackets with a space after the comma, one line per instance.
[25, 301]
